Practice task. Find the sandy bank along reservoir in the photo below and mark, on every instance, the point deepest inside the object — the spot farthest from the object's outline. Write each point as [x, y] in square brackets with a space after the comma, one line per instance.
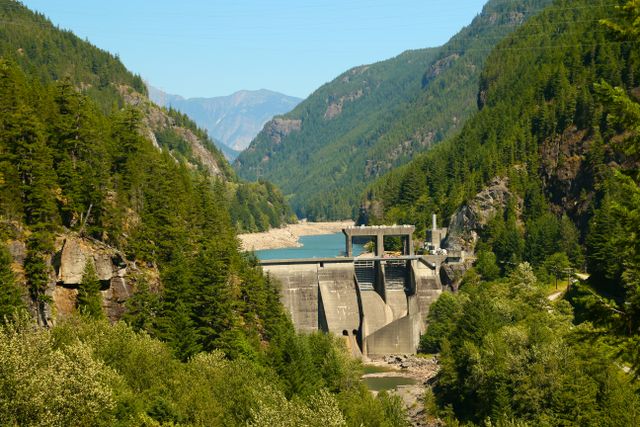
[288, 237]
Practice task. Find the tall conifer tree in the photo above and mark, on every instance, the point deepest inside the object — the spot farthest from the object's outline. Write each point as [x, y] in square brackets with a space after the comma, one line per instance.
[10, 294]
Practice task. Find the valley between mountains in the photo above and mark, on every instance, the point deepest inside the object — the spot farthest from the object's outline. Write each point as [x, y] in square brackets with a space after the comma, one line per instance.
[491, 187]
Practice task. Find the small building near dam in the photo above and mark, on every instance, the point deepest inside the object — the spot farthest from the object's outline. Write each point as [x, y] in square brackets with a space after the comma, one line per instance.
[378, 301]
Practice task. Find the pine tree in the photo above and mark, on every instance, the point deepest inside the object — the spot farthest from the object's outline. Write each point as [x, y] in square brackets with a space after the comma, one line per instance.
[181, 331]
[542, 238]
[411, 187]
[80, 156]
[38, 269]
[34, 164]
[627, 26]
[89, 300]
[569, 239]
[215, 306]
[10, 294]
[142, 308]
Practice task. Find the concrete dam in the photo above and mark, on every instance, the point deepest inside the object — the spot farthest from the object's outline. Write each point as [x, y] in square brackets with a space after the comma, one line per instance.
[378, 303]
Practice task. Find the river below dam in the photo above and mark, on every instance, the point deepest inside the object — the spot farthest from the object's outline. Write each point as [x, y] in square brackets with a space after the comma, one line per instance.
[319, 246]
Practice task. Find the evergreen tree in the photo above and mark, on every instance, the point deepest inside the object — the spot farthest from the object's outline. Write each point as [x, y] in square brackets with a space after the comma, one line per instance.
[10, 295]
[34, 165]
[38, 270]
[487, 265]
[81, 160]
[142, 308]
[542, 238]
[604, 252]
[89, 300]
[569, 240]
[181, 331]
[215, 306]
[410, 188]
[627, 24]
[557, 266]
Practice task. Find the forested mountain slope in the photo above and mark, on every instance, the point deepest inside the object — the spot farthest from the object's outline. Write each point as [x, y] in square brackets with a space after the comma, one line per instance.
[541, 124]
[97, 220]
[375, 117]
[72, 171]
[49, 54]
[206, 341]
[553, 151]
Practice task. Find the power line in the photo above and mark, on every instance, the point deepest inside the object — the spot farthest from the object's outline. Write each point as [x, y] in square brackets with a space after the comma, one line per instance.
[549, 47]
[366, 5]
[455, 38]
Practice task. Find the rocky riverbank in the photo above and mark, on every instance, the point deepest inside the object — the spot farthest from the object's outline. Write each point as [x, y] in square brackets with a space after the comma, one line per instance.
[288, 237]
[418, 368]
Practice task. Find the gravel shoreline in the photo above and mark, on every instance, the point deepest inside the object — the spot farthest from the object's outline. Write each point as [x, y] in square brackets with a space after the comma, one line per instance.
[288, 236]
[422, 370]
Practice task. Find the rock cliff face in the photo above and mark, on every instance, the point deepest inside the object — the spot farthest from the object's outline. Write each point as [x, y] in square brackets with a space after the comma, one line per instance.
[280, 127]
[471, 218]
[335, 104]
[468, 222]
[567, 175]
[118, 276]
[73, 254]
[438, 68]
[18, 251]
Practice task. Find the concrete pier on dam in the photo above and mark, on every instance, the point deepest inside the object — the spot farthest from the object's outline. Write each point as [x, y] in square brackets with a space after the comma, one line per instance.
[378, 303]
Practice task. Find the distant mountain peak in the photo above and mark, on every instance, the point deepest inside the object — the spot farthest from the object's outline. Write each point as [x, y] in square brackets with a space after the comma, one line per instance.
[234, 119]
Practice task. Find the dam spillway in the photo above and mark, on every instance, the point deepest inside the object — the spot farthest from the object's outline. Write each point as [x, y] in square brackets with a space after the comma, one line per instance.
[377, 303]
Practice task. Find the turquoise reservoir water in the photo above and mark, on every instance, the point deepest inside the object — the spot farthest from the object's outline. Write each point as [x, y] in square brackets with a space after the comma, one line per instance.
[322, 246]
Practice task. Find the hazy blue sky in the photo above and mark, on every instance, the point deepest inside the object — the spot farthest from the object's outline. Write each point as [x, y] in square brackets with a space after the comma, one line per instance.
[213, 47]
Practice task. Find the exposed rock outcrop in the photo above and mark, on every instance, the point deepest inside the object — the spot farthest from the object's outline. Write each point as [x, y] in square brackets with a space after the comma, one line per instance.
[76, 252]
[438, 67]
[451, 274]
[64, 300]
[66, 266]
[280, 127]
[470, 219]
[18, 251]
[335, 104]
[566, 174]
[73, 260]
[110, 265]
[200, 152]
[115, 297]
[346, 77]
